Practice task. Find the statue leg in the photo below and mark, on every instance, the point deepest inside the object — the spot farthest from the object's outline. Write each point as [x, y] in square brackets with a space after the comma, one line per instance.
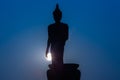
[57, 55]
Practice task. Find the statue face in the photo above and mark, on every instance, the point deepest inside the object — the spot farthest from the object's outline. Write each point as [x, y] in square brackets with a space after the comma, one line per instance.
[57, 18]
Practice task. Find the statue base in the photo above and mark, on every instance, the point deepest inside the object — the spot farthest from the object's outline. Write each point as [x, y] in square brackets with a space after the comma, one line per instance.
[66, 72]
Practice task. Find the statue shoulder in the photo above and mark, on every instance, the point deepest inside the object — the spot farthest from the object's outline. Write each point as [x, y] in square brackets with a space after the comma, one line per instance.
[50, 26]
[64, 24]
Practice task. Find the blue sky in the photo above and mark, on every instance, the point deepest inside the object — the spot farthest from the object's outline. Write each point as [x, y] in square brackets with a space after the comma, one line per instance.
[94, 37]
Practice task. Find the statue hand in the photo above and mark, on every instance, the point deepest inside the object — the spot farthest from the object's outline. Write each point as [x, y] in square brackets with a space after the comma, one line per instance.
[46, 53]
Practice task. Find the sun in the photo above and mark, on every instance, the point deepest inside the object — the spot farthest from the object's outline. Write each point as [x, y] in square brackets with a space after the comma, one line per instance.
[49, 57]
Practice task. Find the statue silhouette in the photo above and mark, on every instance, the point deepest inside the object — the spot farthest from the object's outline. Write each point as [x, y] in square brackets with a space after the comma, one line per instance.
[57, 36]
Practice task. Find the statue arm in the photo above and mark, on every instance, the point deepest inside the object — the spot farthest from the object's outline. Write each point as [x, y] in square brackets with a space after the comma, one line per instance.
[48, 42]
[67, 32]
[48, 45]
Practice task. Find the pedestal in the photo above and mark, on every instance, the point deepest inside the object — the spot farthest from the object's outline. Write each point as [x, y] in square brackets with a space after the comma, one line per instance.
[66, 72]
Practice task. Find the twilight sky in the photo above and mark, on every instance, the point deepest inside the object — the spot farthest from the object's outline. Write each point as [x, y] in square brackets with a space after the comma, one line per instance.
[94, 38]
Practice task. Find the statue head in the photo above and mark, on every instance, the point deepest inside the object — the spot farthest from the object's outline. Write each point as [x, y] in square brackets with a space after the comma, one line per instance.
[57, 14]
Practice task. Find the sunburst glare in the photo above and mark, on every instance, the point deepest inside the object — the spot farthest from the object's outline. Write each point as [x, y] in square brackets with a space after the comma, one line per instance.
[49, 57]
